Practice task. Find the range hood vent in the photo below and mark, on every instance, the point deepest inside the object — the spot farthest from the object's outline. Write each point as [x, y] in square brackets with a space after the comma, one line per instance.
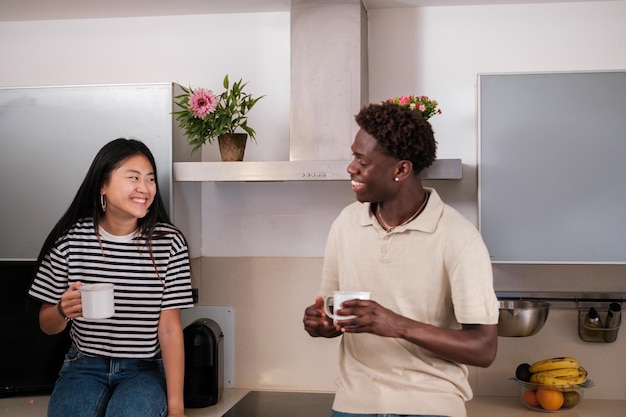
[329, 78]
[329, 85]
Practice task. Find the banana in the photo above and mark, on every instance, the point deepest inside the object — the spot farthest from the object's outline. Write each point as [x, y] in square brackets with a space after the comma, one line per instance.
[565, 372]
[576, 380]
[553, 381]
[554, 363]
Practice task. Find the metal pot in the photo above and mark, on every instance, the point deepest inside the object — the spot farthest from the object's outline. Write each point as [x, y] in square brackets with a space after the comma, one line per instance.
[521, 318]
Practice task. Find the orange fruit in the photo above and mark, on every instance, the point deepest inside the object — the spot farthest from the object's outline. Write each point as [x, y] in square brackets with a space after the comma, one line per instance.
[550, 399]
[530, 398]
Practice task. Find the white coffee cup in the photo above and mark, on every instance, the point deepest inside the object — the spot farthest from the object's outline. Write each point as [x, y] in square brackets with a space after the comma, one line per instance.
[97, 300]
[338, 298]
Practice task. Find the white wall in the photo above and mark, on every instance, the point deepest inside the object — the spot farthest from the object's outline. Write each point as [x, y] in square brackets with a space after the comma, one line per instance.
[436, 51]
[195, 50]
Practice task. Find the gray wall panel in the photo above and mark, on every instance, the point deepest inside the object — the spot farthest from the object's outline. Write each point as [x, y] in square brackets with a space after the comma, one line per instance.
[48, 138]
[552, 172]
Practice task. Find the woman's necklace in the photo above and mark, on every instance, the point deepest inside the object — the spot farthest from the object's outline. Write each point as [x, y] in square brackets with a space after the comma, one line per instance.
[388, 228]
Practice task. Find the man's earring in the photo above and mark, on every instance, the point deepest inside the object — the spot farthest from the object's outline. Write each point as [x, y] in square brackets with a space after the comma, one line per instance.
[396, 179]
[103, 203]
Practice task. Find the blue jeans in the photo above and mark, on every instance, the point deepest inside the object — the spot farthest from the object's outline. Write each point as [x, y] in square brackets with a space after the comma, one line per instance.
[340, 414]
[91, 386]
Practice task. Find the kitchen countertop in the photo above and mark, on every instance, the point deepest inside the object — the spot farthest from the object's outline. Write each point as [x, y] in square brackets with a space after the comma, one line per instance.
[36, 406]
[512, 407]
[247, 402]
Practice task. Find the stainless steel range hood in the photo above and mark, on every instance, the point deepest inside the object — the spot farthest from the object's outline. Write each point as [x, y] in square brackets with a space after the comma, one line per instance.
[329, 84]
[329, 78]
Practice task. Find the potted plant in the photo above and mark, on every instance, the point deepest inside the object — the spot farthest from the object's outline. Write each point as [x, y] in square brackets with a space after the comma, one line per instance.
[423, 104]
[205, 116]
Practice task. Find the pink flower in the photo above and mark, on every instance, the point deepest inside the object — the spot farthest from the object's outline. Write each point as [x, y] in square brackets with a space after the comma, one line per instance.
[202, 102]
[421, 107]
[404, 100]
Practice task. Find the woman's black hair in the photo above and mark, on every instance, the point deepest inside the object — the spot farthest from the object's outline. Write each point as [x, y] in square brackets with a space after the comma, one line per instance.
[86, 203]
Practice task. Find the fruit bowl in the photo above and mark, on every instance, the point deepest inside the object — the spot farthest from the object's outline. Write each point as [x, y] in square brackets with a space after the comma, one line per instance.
[551, 399]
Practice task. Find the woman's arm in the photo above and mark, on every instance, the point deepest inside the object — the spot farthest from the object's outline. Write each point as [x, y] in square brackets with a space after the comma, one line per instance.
[50, 319]
[173, 351]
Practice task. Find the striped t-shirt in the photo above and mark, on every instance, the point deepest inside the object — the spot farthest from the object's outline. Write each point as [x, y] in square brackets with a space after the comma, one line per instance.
[140, 293]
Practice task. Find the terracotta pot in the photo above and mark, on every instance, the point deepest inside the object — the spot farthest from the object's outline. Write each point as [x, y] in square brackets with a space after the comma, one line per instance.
[232, 146]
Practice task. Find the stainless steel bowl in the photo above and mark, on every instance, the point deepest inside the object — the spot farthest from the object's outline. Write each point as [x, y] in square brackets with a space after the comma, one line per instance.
[521, 318]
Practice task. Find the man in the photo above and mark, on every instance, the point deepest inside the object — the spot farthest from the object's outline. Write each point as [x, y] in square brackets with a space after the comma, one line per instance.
[433, 310]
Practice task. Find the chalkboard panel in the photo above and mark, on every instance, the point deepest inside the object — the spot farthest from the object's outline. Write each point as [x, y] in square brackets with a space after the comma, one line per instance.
[552, 167]
[50, 135]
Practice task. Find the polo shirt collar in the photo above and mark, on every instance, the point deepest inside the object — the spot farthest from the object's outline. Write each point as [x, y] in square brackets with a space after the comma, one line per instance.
[426, 222]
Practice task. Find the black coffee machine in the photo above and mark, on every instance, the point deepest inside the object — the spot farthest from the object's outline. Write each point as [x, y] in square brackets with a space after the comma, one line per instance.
[204, 363]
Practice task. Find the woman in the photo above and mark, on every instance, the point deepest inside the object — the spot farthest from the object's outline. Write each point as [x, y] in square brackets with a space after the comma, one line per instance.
[117, 231]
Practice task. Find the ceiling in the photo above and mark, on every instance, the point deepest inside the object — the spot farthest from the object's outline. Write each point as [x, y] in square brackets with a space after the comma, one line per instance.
[16, 10]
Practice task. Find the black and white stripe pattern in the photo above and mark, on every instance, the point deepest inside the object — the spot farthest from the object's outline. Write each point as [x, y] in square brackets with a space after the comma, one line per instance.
[140, 293]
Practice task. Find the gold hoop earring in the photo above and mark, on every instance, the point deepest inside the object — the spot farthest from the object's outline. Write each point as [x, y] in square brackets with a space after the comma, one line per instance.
[103, 203]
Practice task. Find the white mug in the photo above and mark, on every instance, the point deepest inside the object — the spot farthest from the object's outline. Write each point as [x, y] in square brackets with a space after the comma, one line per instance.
[97, 300]
[338, 298]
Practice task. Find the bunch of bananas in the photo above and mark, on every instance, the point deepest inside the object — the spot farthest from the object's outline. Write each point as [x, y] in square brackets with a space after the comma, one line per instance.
[553, 372]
